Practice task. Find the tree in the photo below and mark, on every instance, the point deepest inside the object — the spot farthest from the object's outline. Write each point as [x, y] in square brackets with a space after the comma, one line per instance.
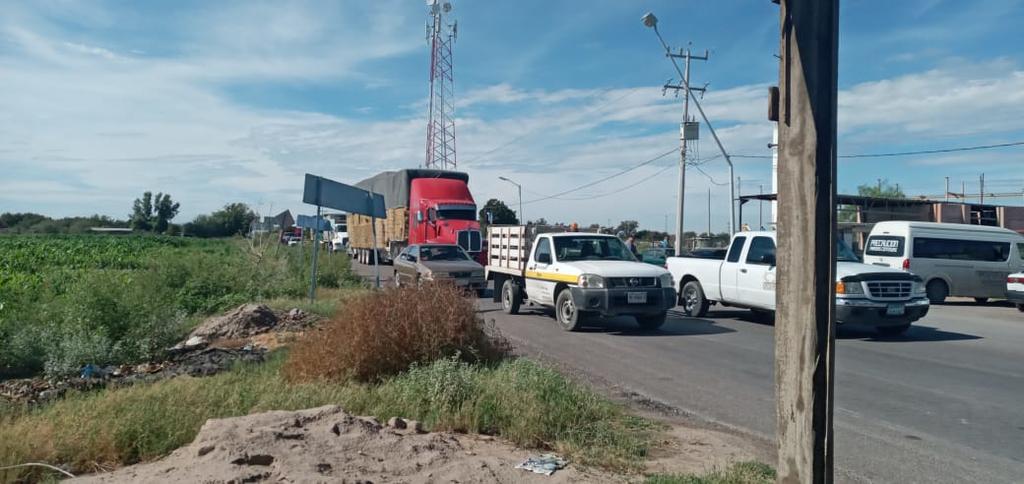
[848, 213]
[627, 227]
[165, 210]
[500, 214]
[142, 212]
[233, 219]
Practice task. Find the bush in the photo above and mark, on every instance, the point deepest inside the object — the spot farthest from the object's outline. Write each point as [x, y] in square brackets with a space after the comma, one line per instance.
[382, 333]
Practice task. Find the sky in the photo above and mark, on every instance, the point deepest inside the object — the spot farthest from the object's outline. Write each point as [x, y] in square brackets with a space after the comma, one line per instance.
[218, 102]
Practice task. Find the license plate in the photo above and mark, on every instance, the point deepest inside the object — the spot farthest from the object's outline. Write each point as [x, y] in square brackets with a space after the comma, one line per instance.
[636, 297]
[895, 310]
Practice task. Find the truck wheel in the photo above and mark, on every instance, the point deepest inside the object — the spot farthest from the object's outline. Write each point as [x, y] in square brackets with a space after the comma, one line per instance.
[937, 291]
[566, 313]
[981, 300]
[1020, 307]
[650, 322]
[695, 305]
[511, 297]
[893, 330]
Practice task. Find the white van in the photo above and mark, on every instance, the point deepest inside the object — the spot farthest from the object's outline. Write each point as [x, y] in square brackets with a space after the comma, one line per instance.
[952, 259]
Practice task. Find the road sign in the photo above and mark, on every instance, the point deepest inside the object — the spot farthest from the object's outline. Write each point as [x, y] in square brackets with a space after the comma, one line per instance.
[323, 192]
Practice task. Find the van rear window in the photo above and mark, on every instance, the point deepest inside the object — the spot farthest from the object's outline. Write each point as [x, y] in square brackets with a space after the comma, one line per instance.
[885, 245]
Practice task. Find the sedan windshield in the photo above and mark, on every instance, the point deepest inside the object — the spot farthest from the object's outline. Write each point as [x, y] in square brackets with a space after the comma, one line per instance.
[582, 247]
[442, 253]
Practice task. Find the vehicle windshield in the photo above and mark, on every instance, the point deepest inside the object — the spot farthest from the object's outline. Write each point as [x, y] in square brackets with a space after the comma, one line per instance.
[457, 213]
[844, 253]
[442, 253]
[582, 247]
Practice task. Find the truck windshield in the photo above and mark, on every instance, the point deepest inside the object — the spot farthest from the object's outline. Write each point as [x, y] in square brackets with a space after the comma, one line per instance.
[573, 248]
[442, 252]
[844, 253]
[457, 213]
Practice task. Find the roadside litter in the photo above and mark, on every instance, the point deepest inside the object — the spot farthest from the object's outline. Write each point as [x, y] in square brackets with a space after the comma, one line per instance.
[545, 464]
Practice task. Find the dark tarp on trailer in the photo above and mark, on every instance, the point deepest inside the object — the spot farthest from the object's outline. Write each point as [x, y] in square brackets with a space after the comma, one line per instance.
[394, 185]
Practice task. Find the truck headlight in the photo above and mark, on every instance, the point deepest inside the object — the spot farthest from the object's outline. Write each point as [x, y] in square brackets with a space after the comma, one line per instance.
[590, 281]
[667, 280]
[849, 289]
[919, 288]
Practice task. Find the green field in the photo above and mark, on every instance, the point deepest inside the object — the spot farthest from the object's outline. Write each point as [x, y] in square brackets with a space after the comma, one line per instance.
[74, 299]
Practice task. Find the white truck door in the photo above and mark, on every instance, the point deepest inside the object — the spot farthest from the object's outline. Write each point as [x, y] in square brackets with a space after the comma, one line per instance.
[539, 290]
[730, 269]
[756, 278]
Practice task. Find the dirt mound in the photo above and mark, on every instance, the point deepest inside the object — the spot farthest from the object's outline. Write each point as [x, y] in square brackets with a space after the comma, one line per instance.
[326, 444]
[242, 322]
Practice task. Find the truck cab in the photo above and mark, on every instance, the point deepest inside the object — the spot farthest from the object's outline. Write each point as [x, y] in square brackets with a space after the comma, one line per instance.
[444, 213]
[887, 299]
[579, 275]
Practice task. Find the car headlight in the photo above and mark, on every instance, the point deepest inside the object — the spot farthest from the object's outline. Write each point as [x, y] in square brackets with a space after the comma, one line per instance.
[428, 275]
[667, 280]
[849, 289]
[590, 281]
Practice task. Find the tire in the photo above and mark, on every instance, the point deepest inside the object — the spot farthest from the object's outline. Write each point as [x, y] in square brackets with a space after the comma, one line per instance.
[893, 330]
[763, 316]
[1020, 307]
[692, 299]
[511, 297]
[651, 322]
[568, 317]
[937, 291]
[981, 300]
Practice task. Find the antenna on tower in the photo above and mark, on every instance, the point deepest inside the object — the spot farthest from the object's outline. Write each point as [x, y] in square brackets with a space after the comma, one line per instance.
[441, 111]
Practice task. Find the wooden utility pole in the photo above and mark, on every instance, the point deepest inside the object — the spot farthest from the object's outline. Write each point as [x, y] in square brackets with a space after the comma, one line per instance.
[805, 318]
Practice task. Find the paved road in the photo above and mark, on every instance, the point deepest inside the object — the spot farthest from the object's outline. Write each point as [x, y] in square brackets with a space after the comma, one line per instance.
[944, 403]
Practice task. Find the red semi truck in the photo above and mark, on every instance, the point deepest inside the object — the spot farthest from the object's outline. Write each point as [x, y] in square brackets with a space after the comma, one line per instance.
[423, 206]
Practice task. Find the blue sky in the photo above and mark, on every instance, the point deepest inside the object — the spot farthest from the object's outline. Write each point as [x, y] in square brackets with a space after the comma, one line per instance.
[216, 102]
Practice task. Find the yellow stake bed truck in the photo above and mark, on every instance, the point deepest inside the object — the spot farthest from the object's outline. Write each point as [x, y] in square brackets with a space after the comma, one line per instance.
[579, 275]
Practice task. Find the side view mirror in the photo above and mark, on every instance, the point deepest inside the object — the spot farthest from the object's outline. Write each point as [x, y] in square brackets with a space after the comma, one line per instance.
[419, 216]
[544, 258]
[768, 259]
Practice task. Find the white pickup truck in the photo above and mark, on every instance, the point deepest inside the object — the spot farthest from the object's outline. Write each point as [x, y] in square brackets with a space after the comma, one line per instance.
[888, 299]
[578, 274]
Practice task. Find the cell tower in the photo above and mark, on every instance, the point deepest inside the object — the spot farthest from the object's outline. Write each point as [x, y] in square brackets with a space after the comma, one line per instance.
[441, 114]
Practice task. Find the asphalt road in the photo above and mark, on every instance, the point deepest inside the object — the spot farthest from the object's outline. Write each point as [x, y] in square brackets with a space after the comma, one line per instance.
[944, 403]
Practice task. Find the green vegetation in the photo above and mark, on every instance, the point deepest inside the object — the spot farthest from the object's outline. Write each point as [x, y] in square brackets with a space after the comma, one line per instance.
[70, 300]
[739, 473]
[519, 400]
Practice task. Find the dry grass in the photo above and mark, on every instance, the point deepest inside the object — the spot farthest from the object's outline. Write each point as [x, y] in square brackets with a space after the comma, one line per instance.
[382, 333]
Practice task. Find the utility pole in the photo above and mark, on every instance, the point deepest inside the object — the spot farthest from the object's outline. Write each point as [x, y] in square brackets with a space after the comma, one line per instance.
[947, 189]
[981, 190]
[805, 317]
[739, 190]
[709, 212]
[963, 191]
[760, 208]
[687, 130]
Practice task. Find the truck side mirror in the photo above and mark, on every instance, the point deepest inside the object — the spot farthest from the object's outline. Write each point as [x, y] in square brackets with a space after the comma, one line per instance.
[419, 216]
[544, 258]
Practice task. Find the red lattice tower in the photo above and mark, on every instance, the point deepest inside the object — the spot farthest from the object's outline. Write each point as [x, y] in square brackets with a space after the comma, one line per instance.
[441, 113]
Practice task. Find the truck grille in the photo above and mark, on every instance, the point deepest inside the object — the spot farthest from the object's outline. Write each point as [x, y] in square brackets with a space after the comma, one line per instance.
[632, 282]
[459, 275]
[470, 240]
[890, 289]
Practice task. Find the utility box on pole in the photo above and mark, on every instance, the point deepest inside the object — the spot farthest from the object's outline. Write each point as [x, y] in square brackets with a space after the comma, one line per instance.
[691, 130]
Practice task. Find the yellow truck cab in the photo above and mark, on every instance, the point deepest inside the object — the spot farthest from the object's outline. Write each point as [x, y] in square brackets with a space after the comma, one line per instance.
[578, 274]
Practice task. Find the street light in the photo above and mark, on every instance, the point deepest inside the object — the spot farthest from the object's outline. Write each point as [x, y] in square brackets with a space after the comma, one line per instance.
[522, 219]
[650, 21]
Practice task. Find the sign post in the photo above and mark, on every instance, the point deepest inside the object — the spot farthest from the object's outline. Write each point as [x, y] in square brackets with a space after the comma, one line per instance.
[324, 192]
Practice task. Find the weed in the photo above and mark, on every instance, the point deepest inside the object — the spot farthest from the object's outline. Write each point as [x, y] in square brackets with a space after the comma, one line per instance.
[739, 473]
[382, 333]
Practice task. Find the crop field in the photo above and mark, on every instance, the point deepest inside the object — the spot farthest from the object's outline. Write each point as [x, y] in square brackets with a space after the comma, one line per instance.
[70, 300]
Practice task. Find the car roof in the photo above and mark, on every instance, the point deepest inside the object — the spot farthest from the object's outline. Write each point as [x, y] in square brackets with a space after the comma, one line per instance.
[942, 226]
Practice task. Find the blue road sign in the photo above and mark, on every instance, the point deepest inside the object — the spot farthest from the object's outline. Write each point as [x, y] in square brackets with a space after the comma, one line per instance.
[324, 192]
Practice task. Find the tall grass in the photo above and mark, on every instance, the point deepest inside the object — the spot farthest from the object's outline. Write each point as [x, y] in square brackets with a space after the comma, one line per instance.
[61, 318]
[519, 400]
[739, 473]
[381, 333]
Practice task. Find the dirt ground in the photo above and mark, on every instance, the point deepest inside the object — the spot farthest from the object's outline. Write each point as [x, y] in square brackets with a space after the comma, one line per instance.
[325, 444]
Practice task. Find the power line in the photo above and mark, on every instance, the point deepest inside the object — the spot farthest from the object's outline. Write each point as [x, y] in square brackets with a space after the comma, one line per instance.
[910, 153]
[609, 177]
[580, 115]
